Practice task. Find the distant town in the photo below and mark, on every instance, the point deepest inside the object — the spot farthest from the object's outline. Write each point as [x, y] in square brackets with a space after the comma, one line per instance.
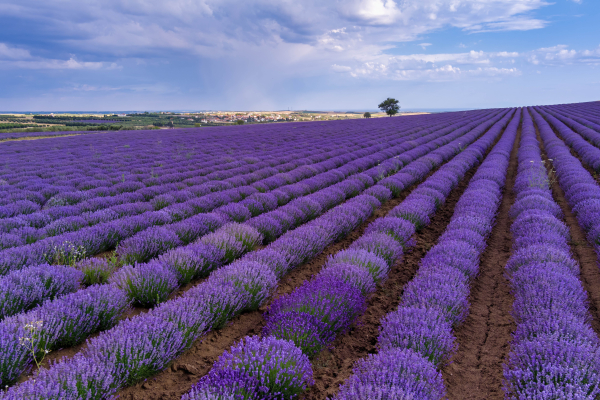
[57, 122]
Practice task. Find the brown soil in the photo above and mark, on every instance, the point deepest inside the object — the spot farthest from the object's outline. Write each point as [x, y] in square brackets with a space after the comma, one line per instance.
[333, 366]
[187, 369]
[484, 338]
[581, 249]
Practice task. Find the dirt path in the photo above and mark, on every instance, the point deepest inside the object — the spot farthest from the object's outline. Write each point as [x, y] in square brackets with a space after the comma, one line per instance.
[332, 367]
[484, 337]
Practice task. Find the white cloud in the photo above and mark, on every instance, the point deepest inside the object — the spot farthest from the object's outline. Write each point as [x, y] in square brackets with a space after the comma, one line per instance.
[424, 45]
[13, 57]
[341, 68]
[562, 55]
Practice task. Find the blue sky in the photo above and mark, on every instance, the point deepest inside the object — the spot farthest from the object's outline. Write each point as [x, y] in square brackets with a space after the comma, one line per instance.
[298, 54]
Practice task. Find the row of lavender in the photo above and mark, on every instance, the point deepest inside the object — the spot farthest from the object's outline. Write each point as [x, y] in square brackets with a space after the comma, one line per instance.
[191, 175]
[89, 207]
[220, 296]
[581, 189]
[20, 135]
[76, 166]
[24, 289]
[301, 324]
[416, 340]
[106, 234]
[555, 353]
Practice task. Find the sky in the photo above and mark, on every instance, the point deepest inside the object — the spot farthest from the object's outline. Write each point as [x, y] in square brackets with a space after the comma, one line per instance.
[85, 55]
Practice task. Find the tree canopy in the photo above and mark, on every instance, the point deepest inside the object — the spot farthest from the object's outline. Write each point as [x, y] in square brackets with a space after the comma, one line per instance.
[367, 115]
[390, 106]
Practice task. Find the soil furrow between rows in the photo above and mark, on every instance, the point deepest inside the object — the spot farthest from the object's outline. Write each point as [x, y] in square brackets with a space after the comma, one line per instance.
[484, 338]
[333, 366]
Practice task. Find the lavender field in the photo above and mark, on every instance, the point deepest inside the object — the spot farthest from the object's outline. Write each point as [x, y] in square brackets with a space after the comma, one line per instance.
[450, 255]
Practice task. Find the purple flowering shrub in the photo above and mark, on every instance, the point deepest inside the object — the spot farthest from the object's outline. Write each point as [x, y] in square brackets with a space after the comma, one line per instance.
[256, 279]
[222, 301]
[14, 358]
[146, 245]
[231, 246]
[355, 275]
[380, 244]
[377, 266]
[235, 212]
[234, 384]
[278, 365]
[393, 374]
[331, 300]
[146, 284]
[305, 330]
[95, 270]
[70, 319]
[192, 261]
[141, 346]
[275, 260]
[420, 329]
[24, 289]
[400, 229]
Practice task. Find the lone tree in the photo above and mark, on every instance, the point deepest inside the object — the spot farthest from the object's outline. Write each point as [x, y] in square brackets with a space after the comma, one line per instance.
[367, 115]
[390, 106]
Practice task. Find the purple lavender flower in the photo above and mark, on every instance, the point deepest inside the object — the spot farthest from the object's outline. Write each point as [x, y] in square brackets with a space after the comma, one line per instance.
[277, 364]
[550, 368]
[400, 229]
[10, 240]
[235, 211]
[420, 329]
[141, 346]
[375, 264]
[146, 245]
[193, 261]
[395, 372]
[14, 358]
[189, 315]
[455, 254]
[358, 276]
[465, 235]
[231, 246]
[413, 212]
[538, 288]
[249, 236]
[381, 245]
[394, 185]
[24, 289]
[227, 384]
[222, 301]
[267, 226]
[146, 284]
[541, 254]
[83, 376]
[305, 330]
[381, 193]
[95, 270]
[70, 319]
[441, 290]
[329, 299]
[271, 258]
[536, 202]
[258, 280]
